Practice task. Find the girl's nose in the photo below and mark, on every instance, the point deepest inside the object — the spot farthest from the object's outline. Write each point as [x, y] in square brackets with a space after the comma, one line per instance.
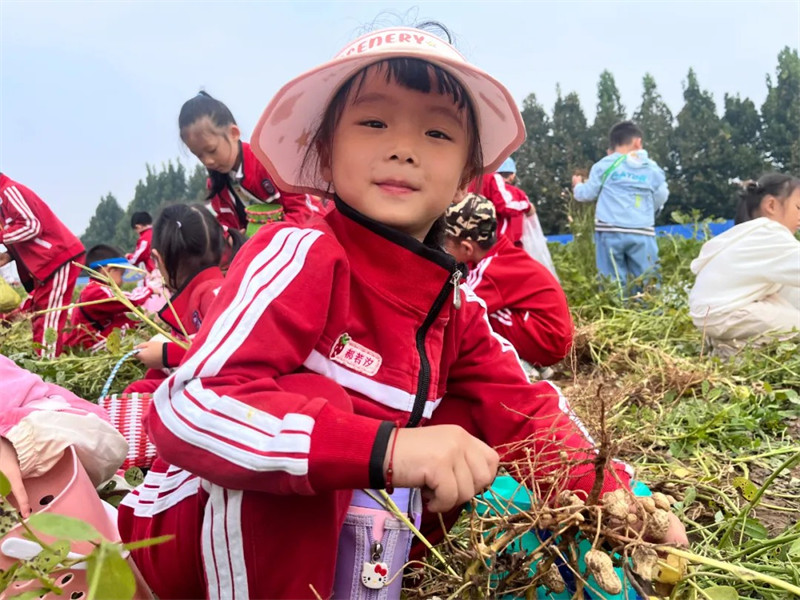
[403, 147]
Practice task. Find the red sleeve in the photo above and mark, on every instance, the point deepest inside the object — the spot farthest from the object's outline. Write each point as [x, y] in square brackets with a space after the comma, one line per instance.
[225, 413]
[533, 314]
[141, 252]
[299, 208]
[172, 354]
[487, 383]
[21, 221]
[107, 310]
[505, 204]
[224, 213]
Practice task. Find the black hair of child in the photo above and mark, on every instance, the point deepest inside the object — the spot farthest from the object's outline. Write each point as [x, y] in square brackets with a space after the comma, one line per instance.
[204, 105]
[189, 239]
[623, 133]
[772, 184]
[141, 218]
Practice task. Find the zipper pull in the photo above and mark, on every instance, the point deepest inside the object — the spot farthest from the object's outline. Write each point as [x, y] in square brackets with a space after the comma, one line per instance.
[456, 280]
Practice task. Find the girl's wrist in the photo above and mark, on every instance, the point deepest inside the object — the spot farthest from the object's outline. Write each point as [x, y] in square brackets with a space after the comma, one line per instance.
[379, 456]
[389, 466]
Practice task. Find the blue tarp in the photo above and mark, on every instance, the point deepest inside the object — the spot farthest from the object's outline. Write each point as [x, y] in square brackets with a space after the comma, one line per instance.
[688, 230]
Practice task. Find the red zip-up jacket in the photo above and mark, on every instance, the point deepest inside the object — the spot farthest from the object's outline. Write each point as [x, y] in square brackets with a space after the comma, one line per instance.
[37, 240]
[373, 310]
[190, 304]
[297, 208]
[141, 254]
[510, 204]
[525, 303]
[92, 324]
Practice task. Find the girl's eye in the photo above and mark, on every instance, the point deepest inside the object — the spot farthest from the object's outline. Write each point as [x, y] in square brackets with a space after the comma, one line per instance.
[439, 135]
[374, 123]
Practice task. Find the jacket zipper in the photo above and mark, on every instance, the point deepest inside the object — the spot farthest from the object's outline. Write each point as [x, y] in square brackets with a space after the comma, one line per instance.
[424, 379]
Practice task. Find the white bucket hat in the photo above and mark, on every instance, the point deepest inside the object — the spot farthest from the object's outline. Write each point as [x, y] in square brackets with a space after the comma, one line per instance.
[284, 132]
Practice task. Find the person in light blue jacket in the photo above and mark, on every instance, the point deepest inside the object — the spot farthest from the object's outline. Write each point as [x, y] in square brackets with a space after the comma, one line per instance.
[630, 190]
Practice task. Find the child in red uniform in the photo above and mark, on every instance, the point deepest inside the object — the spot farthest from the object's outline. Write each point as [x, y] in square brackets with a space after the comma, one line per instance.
[142, 224]
[330, 344]
[89, 326]
[188, 245]
[511, 204]
[44, 250]
[236, 179]
[525, 303]
[141, 257]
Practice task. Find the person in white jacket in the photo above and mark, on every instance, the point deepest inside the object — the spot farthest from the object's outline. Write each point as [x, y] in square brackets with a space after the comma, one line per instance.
[748, 279]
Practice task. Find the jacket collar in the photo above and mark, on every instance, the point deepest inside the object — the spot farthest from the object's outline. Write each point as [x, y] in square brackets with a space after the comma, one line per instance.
[397, 263]
[181, 301]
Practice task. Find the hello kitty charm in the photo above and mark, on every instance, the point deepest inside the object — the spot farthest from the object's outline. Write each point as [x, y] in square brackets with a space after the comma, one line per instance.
[375, 574]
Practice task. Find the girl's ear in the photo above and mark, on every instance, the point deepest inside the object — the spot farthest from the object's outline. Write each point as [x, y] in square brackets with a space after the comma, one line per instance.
[234, 133]
[769, 206]
[325, 164]
[468, 249]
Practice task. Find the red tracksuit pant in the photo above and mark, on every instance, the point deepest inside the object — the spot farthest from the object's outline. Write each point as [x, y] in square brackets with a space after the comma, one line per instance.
[56, 291]
[234, 544]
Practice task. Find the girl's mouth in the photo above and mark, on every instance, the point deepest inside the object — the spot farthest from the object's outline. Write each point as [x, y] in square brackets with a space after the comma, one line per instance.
[397, 187]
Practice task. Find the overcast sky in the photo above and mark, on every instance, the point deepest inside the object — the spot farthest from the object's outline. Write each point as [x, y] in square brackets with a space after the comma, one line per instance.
[90, 91]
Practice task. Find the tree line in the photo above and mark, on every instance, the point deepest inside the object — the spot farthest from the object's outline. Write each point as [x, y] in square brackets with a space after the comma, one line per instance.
[702, 153]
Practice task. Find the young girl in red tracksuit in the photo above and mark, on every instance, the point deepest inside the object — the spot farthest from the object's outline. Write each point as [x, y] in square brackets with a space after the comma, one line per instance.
[236, 179]
[44, 250]
[188, 246]
[90, 325]
[345, 354]
[511, 204]
[525, 303]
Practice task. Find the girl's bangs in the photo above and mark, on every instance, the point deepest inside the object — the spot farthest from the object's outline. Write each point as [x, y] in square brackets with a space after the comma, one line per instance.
[418, 75]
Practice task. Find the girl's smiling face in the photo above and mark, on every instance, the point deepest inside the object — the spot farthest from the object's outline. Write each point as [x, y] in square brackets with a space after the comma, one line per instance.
[398, 155]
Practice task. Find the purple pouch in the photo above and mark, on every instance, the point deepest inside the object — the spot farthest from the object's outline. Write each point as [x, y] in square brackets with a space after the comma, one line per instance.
[365, 564]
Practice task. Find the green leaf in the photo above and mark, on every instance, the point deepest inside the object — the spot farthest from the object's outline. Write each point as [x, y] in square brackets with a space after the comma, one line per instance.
[794, 549]
[46, 560]
[148, 542]
[792, 396]
[722, 592]
[746, 488]
[109, 574]
[8, 520]
[30, 594]
[62, 527]
[134, 476]
[113, 342]
[5, 485]
[755, 530]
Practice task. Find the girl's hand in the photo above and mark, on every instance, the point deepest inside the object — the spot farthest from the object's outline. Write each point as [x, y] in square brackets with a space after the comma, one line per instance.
[150, 354]
[447, 462]
[676, 534]
[5, 258]
[9, 465]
